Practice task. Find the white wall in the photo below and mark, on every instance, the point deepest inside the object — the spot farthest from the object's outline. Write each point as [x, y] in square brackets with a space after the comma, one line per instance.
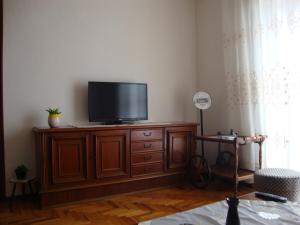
[52, 48]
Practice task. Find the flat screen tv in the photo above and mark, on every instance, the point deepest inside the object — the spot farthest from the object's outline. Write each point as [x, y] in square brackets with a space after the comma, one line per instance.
[115, 102]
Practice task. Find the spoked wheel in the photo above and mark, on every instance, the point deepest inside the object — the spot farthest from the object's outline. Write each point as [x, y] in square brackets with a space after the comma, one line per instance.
[199, 171]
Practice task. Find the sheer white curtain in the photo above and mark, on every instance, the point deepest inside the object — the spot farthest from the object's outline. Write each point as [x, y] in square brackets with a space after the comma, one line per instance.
[262, 63]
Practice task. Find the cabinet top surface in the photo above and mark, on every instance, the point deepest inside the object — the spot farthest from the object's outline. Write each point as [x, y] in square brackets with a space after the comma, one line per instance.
[92, 127]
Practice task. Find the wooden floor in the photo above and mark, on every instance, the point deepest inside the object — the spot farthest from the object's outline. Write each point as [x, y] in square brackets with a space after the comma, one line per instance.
[118, 210]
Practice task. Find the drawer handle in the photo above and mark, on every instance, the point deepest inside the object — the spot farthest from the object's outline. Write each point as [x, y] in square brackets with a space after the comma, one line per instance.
[147, 145]
[147, 157]
[147, 134]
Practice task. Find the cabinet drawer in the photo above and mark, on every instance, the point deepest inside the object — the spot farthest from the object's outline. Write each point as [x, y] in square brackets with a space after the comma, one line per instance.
[146, 169]
[148, 157]
[147, 145]
[147, 134]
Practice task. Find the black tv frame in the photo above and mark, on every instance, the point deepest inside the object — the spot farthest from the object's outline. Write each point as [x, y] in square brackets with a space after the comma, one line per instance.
[121, 120]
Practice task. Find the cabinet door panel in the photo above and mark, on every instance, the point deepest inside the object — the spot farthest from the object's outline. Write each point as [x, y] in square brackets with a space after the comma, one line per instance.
[112, 153]
[178, 149]
[68, 158]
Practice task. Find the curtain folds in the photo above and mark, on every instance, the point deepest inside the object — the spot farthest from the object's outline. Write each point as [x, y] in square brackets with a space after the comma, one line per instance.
[261, 43]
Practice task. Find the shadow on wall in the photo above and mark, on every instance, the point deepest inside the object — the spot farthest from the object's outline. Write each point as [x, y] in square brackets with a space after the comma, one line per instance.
[80, 102]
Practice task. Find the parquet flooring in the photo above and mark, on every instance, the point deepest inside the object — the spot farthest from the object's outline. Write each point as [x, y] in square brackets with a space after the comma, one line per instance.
[127, 209]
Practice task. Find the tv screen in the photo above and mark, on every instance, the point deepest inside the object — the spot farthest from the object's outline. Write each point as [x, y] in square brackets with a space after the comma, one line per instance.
[115, 102]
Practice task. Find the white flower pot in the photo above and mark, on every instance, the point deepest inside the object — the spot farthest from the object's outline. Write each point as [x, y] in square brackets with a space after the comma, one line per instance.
[54, 120]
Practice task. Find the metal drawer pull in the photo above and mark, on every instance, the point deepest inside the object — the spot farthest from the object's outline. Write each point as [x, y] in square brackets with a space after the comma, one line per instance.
[147, 134]
[147, 145]
[147, 157]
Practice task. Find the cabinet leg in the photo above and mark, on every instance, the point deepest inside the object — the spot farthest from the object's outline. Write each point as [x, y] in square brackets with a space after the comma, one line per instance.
[12, 196]
[23, 190]
[260, 155]
[236, 162]
[30, 187]
[236, 186]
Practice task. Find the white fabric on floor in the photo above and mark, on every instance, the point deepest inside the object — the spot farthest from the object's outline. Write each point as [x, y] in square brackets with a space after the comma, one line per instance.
[250, 212]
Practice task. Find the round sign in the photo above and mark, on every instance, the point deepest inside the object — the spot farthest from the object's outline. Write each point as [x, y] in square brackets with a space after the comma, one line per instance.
[202, 100]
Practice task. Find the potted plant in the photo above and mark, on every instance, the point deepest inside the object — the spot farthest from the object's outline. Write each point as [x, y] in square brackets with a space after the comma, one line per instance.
[21, 172]
[54, 117]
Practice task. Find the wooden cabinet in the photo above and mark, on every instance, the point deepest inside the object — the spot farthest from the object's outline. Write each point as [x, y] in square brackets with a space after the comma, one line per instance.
[147, 151]
[179, 146]
[68, 160]
[112, 153]
[79, 163]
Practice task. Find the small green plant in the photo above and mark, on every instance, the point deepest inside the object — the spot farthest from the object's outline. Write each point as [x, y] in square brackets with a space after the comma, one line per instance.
[54, 111]
[21, 172]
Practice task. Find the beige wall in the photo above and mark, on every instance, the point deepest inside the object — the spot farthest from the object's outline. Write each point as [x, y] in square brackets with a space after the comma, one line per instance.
[52, 48]
[211, 75]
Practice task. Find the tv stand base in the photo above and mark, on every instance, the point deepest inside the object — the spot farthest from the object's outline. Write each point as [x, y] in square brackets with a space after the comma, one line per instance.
[102, 190]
